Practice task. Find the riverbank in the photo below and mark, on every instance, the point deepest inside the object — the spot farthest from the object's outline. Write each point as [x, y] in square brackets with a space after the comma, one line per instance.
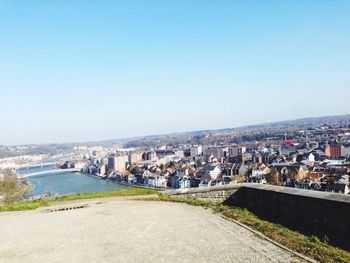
[127, 184]
[65, 183]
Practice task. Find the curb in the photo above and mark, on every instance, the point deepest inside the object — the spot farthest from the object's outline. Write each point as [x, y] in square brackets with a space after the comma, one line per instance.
[301, 256]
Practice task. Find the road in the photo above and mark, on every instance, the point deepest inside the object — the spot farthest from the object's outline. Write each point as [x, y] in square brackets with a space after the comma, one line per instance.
[127, 230]
[33, 165]
[46, 172]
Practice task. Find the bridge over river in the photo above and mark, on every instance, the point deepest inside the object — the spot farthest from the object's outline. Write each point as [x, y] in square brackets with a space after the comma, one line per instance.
[72, 170]
[36, 165]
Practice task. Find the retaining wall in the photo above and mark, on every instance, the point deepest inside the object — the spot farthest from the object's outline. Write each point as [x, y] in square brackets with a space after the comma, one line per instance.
[309, 212]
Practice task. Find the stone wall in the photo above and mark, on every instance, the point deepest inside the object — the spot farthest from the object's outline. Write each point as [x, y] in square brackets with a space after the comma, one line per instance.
[215, 194]
[309, 212]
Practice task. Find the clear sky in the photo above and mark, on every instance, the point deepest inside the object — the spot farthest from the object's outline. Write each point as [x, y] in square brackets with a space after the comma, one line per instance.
[90, 70]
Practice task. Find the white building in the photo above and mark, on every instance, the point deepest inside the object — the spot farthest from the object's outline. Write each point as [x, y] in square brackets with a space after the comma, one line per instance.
[196, 150]
[345, 150]
[184, 182]
[311, 157]
[212, 170]
[157, 181]
[179, 153]
[217, 153]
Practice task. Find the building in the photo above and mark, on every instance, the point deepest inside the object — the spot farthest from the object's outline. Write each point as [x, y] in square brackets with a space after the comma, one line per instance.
[333, 150]
[184, 182]
[157, 181]
[116, 164]
[179, 153]
[257, 176]
[134, 157]
[243, 170]
[165, 153]
[213, 171]
[345, 150]
[217, 153]
[196, 150]
[233, 151]
[144, 156]
[101, 170]
[242, 150]
[151, 155]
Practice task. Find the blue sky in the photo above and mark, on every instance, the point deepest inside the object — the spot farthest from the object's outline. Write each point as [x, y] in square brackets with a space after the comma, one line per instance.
[90, 70]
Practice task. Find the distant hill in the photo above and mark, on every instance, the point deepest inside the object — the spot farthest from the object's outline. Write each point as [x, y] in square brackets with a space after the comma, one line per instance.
[296, 122]
[304, 121]
[311, 121]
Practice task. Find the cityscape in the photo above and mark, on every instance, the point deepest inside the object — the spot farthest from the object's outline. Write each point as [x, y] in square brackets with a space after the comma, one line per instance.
[313, 156]
[186, 131]
[310, 155]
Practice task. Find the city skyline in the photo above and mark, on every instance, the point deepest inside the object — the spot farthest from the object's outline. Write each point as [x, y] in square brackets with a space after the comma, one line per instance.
[301, 121]
[79, 71]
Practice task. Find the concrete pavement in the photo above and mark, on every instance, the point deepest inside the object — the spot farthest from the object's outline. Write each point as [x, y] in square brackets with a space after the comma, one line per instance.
[127, 230]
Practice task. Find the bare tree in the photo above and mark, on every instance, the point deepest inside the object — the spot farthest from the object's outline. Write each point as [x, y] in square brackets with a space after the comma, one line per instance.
[12, 188]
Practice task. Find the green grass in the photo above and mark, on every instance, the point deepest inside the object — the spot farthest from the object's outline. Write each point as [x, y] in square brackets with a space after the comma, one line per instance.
[309, 246]
[30, 205]
[27, 205]
[124, 192]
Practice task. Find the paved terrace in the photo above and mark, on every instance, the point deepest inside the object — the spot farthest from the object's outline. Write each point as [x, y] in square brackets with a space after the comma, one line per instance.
[129, 230]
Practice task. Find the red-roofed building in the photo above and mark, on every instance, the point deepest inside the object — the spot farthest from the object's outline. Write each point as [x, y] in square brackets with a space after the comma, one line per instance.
[288, 142]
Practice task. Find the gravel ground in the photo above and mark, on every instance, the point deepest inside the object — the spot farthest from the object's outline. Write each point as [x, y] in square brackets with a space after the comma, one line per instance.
[124, 230]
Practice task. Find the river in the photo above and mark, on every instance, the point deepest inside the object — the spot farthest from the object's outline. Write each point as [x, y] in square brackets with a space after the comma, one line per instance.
[67, 183]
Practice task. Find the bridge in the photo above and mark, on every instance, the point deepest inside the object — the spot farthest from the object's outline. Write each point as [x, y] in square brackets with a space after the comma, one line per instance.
[55, 171]
[39, 165]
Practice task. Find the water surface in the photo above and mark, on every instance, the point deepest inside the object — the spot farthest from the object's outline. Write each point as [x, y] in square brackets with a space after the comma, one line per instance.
[67, 183]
